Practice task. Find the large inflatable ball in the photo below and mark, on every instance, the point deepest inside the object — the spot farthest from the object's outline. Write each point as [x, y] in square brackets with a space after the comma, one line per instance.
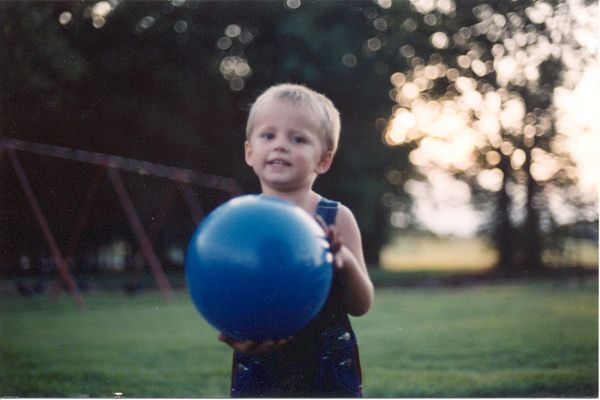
[258, 268]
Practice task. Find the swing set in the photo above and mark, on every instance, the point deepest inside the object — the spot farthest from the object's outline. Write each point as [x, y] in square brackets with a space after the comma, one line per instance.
[109, 166]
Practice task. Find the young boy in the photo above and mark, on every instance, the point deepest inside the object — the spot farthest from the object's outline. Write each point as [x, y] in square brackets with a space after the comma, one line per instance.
[292, 135]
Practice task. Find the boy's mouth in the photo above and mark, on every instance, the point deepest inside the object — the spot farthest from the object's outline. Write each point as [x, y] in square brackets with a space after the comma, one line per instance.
[277, 161]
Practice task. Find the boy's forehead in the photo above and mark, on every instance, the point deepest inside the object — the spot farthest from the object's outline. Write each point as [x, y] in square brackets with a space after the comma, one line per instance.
[275, 110]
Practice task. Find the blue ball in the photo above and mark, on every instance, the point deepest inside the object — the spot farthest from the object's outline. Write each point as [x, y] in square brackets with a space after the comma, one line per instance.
[258, 268]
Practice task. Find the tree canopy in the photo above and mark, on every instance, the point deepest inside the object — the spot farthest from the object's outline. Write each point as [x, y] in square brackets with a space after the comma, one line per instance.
[171, 82]
[426, 89]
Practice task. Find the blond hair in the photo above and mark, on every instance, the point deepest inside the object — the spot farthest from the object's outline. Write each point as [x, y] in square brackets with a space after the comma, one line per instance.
[327, 115]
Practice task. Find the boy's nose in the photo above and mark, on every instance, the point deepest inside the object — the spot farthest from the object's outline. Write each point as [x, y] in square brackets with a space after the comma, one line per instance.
[280, 145]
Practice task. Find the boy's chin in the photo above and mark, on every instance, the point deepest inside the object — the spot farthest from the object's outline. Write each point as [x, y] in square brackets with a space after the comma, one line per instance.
[283, 187]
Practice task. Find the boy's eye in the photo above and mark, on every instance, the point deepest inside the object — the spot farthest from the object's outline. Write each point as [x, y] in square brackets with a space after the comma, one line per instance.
[267, 135]
[298, 139]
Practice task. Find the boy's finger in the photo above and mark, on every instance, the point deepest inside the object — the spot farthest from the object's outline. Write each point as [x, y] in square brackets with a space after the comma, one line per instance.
[242, 347]
[225, 339]
[264, 347]
[335, 246]
[253, 348]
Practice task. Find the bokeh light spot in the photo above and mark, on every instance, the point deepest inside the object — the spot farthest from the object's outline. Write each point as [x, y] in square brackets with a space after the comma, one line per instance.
[349, 60]
[439, 40]
[233, 31]
[65, 17]
[180, 26]
[224, 43]
[293, 4]
[374, 44]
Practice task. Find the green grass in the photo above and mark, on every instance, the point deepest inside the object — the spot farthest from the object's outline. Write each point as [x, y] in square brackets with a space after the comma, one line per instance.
[503, 340]
[528, 339]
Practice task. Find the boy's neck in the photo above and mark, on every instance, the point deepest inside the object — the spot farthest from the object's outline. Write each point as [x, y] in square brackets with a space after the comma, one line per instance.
[307, 200]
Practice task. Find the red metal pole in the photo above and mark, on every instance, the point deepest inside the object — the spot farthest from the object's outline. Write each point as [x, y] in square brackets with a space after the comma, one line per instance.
[59, 260]
[137, 166]
[154, 228]
[140, 233]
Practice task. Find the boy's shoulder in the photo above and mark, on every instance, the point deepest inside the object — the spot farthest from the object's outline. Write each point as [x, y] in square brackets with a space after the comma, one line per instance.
[345, 219]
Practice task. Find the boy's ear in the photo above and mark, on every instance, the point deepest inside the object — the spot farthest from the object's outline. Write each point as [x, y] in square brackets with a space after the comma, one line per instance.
[325, 163]
[248, 153]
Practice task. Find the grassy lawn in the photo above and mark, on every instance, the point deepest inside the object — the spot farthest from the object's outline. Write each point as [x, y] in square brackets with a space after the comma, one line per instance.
[503, 340]
[528, 339]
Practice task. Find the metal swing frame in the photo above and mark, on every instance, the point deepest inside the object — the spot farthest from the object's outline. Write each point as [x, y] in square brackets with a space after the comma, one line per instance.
[110, 165]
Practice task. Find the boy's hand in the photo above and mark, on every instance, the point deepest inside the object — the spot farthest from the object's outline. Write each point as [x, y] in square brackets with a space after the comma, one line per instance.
[335, 242]
[253, 348]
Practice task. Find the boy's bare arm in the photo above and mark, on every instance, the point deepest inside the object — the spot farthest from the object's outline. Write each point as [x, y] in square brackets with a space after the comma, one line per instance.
[358, 291]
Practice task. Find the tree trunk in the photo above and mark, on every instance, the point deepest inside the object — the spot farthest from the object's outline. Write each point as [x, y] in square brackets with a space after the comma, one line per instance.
[503, 232]
[373, 241]
[532, 240]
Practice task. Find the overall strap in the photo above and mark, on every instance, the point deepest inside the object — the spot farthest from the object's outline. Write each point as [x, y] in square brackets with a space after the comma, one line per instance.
[327, 209]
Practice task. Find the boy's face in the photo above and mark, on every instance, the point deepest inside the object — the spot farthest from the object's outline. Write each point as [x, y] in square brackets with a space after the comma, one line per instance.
[286, 149]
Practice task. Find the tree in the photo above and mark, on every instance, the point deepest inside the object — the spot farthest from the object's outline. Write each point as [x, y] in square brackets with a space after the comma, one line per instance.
[171, 82]
[477, 101]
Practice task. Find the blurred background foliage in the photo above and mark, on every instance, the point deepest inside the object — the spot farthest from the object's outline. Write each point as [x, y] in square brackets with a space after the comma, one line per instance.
[430, 92]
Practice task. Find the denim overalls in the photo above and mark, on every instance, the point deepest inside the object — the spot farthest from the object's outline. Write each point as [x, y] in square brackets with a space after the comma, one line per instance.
[320, 361]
